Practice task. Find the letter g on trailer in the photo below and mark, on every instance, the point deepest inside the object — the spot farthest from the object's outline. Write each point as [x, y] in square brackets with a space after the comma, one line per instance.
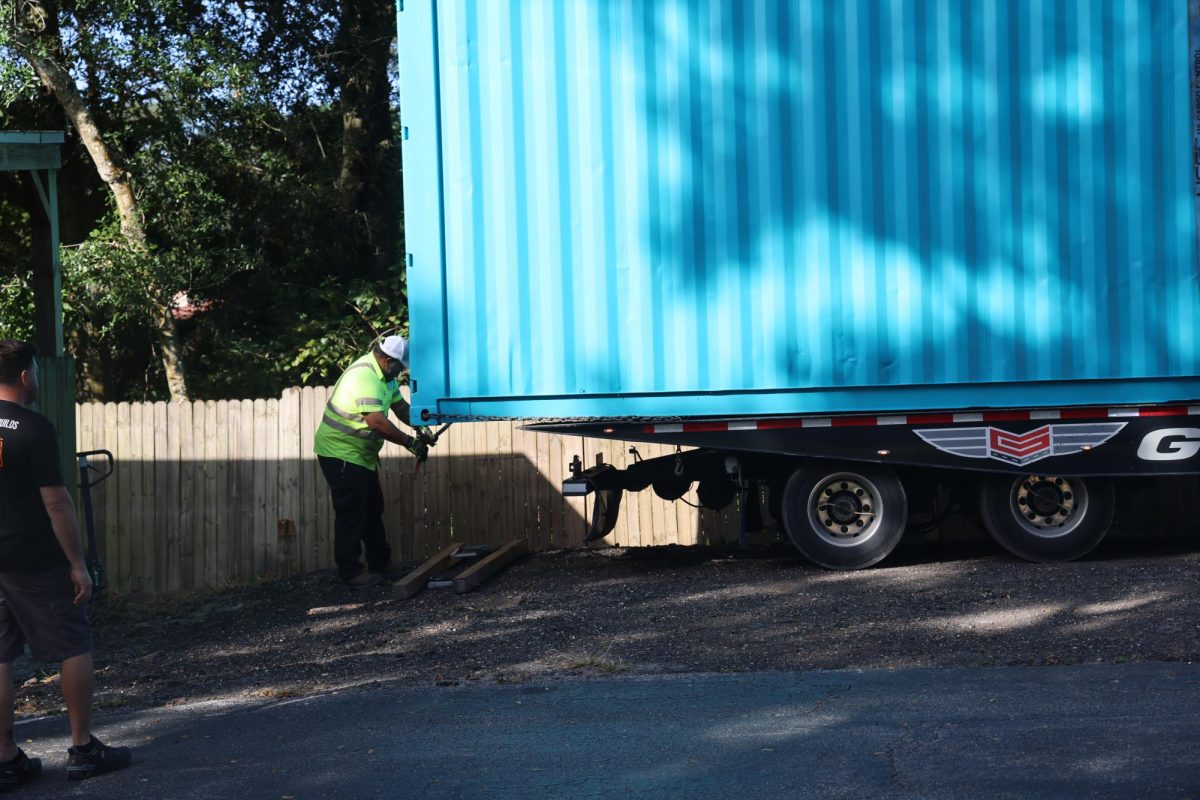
[845, 488]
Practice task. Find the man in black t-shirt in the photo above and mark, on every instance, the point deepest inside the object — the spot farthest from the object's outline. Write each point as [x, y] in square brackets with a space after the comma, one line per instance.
[44, 585]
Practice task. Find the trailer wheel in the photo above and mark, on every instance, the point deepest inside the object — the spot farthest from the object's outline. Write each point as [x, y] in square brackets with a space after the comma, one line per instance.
[844, 518]
[1047, 518]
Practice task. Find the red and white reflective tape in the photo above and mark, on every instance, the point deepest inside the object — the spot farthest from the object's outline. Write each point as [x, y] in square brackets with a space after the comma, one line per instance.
[921, 419]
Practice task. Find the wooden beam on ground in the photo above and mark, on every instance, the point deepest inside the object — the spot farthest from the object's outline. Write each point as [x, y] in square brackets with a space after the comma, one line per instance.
[489, 566]
[418, 579]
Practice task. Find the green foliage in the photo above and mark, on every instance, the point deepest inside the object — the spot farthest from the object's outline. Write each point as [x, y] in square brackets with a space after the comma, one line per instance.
[343, 322]
[18, 82]
[16, 313]
[112, 275]
[228, 112]
[16, 284]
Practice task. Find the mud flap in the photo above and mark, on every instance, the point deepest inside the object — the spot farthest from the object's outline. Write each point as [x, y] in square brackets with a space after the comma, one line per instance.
[607, 483]
[606, 507]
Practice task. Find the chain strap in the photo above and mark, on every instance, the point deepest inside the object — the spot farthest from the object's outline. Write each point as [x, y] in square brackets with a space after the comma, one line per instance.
[440, 419]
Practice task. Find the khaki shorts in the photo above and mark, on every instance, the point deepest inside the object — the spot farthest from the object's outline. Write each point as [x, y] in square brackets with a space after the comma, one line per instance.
[38, 608]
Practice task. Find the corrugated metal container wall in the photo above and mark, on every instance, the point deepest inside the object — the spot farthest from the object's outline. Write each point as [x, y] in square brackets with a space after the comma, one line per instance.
[658, 207]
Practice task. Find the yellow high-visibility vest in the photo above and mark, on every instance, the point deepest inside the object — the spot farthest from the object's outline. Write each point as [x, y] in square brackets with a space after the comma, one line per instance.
[343, 432]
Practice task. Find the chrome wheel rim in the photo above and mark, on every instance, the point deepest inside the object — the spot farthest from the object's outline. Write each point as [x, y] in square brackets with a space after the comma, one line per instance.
[1048, 506]
[844, 509]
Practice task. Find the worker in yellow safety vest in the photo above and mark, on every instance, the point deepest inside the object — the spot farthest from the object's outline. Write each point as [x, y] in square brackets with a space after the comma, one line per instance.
[352, 432]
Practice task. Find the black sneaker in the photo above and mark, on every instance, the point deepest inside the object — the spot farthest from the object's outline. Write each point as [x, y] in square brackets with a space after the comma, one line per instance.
[94, 758]
[20, 769]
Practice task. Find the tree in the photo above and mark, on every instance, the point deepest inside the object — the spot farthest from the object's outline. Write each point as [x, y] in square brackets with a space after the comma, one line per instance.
[263, 158]
[34, 32]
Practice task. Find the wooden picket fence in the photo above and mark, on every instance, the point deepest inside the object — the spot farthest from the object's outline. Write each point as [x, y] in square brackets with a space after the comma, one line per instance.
[211, 494]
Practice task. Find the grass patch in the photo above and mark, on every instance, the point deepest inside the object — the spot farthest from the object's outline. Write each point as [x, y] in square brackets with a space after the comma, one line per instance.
[599, 661]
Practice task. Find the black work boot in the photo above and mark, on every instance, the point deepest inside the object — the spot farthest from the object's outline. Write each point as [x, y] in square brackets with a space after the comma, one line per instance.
[392, 570]
[20, 769]
[94, 758]
[362, 580]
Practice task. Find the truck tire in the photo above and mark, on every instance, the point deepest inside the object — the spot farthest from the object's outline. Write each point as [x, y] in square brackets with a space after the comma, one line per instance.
[1044, 517]
[844, 516]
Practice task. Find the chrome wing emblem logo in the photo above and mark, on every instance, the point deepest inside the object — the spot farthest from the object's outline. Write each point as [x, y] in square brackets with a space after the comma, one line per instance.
[1020, 448]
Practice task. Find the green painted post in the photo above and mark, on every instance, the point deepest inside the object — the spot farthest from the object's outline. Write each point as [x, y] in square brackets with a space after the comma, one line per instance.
[56, 259]
[35, 152]
[48, 194]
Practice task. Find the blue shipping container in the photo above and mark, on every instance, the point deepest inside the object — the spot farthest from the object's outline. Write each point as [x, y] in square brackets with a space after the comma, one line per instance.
[628, 208]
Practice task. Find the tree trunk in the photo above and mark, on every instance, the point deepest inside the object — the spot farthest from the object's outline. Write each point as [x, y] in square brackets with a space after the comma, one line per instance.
[110, 164]
[171, 351]
[367, 186]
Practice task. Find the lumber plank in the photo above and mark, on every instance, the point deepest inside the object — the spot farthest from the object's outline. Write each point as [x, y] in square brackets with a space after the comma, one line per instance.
[289, 480]
[542, 492]
[415, 581]
[493, 521]
[166, 497]
[149, 539]
[322, 498]
[628, 531]
[134, 532]
[505, 525]
[110, 540]
[128, 489]
[524, 513]
[256, 542]
[440, 527]
[311, 482]
[214, 493]
[488, 566]
[245, 466]
[560, 532]
[270, 487]
[188, 472]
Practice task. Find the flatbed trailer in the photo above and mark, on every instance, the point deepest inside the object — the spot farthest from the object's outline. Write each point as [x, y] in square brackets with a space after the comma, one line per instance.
[841, 485]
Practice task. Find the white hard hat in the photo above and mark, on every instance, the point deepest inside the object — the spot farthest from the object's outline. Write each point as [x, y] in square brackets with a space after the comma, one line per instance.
[395, 347]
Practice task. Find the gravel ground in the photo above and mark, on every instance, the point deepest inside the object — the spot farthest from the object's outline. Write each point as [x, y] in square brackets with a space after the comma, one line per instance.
[579, 613]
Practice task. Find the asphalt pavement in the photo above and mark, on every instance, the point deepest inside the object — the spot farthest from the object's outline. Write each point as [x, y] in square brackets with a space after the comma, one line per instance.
[1096, 731]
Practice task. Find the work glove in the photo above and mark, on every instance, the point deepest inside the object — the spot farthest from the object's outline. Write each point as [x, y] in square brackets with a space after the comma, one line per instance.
[427, 436]
[419, 448]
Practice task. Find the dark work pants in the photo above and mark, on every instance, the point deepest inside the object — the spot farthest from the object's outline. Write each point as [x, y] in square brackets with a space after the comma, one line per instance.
[357, 516]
